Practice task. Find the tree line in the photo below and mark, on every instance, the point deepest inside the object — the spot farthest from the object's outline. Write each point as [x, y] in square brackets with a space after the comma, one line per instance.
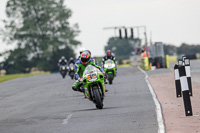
[122, 47]
[41, 33]
[183, 49]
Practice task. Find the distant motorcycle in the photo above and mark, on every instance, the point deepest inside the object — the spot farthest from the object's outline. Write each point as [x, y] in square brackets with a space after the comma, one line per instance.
[93, 85]
[71, 70]
[63, 70]
[110, 70]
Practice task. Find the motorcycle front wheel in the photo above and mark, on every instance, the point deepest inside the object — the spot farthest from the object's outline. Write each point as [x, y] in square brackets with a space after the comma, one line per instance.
[97, 98]
[110, 78]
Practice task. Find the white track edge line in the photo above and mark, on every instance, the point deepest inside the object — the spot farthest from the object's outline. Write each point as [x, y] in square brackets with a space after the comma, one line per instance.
[65, 121]
[161, 126]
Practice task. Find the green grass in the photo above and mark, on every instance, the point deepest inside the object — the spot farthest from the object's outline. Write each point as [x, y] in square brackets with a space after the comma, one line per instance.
[14, 76]
[124, 65]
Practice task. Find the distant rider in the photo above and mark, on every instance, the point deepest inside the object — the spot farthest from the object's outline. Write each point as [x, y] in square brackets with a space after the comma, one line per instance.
[71, 60]
[85, 60]
[109, 55]
[62, 61]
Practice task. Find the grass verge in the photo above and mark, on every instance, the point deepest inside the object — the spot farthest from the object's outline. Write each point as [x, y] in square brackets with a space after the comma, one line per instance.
[124, 65]
[14, 76]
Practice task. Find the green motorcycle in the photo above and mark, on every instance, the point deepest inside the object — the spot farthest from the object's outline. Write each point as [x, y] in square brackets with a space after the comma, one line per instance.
[93, 85]
[110, 70]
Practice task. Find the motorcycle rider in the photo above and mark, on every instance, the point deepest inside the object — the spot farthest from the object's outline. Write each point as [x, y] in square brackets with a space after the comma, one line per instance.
[71, 60]
[80, 51]
[84, 50]
[62, 61]
[109, 55]
[85, 59]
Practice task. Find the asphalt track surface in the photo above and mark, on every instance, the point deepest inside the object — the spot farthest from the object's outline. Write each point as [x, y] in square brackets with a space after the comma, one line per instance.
[47, 104]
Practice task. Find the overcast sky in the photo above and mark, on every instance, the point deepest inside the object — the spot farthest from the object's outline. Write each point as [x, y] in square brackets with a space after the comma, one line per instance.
[170, 21]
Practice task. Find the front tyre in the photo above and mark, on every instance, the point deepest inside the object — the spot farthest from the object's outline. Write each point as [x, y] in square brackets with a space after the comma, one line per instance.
[63, 74]
[71, 74]
[97, 98]
[110, 78]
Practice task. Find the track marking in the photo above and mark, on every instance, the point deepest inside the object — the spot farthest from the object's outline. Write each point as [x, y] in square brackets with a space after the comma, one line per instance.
[161, 127]
[65, 121]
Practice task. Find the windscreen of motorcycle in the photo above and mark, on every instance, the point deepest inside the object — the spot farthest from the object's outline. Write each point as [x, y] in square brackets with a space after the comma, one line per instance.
[91, 73]
[71, 66]
[109, 64]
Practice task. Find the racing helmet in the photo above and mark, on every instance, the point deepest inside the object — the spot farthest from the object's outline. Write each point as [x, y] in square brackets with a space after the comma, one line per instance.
[85, 57]
[108, 54]
[88, 52]
[71, 59]
[63, 58]
[81, 50]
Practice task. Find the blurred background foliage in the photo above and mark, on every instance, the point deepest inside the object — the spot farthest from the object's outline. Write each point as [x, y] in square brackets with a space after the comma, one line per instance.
[41, 32]
[122, 47]
[183, 49]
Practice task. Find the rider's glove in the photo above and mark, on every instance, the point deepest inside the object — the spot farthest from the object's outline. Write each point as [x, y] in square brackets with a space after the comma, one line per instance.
[104, 74]
[80, 80]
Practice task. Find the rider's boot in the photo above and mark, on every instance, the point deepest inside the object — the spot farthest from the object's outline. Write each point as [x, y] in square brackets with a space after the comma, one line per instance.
[82, 89]
[76, 87]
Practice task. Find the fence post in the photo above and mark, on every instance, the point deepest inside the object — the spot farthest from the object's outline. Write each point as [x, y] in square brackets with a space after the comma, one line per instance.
[177, 81]
[188, 74]
[185, 91]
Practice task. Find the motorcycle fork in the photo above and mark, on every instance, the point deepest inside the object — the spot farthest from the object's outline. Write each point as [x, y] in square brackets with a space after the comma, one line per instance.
[100, 89]
[90, 92]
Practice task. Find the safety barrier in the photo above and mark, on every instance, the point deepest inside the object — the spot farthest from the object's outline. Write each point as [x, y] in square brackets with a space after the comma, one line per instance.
[159, 62]
[144, 64]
